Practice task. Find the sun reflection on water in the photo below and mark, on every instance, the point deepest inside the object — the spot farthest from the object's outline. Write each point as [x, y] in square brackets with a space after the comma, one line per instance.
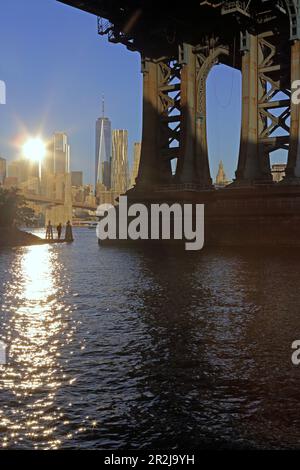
[35, 325]
[38, 274]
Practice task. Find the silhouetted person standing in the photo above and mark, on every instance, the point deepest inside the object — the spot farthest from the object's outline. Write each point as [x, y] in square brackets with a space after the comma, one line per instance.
[59, 230]
[69, 233]
[49, 231]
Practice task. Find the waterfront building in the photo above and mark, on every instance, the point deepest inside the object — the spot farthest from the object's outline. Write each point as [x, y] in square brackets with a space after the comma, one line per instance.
[136, 163]
[23, 169]
[13, 170]
[10, 182]
[77, 194]
[105, 196]
[30, 186]
[77, 178]
[61, 153]
[83, 194]
[48, 164]
[119, 171]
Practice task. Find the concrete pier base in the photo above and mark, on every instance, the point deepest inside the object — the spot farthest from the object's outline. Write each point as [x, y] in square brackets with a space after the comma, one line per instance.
[250, 216]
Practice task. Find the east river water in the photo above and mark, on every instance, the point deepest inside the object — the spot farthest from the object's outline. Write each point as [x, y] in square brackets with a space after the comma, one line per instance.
[118, 348]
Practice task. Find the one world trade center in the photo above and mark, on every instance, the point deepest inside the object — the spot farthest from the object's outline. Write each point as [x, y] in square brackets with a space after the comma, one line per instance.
[103, 151]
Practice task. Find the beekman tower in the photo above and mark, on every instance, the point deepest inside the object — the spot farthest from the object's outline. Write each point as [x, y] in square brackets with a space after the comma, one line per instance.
[103, 150]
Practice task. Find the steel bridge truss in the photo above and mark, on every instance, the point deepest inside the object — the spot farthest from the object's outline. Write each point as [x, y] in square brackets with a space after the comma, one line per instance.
[174, 143]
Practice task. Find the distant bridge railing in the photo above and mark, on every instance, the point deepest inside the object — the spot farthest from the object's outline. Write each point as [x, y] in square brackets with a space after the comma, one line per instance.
[57, 202]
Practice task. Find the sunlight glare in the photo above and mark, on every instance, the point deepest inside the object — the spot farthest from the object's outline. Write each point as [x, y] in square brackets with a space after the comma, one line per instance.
[34, 149]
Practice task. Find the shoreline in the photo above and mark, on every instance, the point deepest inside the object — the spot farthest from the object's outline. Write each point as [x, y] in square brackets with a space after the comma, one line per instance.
[13, 237]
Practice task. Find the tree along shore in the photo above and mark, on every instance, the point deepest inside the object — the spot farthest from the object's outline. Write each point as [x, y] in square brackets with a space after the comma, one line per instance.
[15, 213]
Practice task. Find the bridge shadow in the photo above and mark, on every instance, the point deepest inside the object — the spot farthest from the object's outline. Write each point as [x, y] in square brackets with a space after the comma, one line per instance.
[210, 323]
[208, 326]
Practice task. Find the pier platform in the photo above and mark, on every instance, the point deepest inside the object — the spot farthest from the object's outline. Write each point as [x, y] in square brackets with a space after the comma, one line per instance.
[257, 215]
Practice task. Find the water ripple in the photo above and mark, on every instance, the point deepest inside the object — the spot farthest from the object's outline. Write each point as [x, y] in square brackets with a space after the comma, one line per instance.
[116, 348]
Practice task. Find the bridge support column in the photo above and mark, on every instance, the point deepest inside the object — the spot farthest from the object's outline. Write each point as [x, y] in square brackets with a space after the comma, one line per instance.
[293, 165]
[161, 121]
[150, 137]
[264, 75]
[174, 119]
[248, 158]
[193, 164]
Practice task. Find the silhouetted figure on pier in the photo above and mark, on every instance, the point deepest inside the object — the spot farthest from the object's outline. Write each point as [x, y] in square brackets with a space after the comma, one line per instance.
[59, 230]
[49, 231]
[69, 233]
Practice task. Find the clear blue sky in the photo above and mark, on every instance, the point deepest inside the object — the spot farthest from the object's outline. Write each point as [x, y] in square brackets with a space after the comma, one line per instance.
[56, 69]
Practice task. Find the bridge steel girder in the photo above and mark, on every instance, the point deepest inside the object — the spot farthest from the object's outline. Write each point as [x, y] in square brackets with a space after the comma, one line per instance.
[264, 76]
[174, 108]
[293, 8]
[293, 164]
[174, 111]
[193, 165]
[161, 121]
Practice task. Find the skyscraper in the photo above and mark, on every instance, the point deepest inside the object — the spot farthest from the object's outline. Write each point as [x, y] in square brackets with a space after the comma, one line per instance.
[2, 170]
[61, 150]
[13, 170]
[23, 169]
[119, 171]
[136, 162]
[103, 151]
[48, 162]
[77, 178]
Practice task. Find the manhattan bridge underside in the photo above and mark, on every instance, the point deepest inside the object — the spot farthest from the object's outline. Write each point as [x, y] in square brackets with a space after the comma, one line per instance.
[179, 44]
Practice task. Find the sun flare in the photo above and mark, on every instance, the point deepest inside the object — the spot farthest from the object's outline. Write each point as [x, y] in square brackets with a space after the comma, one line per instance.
[34, 149]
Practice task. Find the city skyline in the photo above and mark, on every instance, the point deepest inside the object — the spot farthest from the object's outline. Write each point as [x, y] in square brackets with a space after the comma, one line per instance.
[58, 158]
[149, 226]
[65, 90]
[66, 95]
[44, 178]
